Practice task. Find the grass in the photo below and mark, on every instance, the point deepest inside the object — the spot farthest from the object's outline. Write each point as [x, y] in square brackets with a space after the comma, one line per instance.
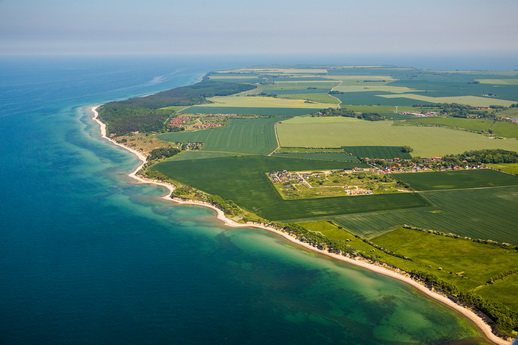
[478, 213]
[380, 152]
[327, 156]
[461, 179]
[263, 102]
[475, 101]
[341, 131]
[253, 136]
[243, 180]
[510, 168]
[248, 111]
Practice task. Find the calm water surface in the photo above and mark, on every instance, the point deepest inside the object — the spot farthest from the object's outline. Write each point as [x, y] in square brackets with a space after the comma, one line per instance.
[88, 256]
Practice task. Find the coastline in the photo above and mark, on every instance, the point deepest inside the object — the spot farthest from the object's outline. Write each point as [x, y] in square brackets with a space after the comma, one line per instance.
[476, 319]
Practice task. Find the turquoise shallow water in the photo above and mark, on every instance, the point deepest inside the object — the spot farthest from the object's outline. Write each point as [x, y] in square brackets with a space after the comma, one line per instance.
[88, 256]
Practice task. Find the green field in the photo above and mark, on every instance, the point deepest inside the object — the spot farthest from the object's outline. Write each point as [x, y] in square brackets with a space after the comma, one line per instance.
[461, 179]
[510, 168]
[199, 109]
[327, 156]
[478, 213]
[377, 152]
[341, 131]
[470, 124]
[505, 129]
[243, 180]
[254, 136]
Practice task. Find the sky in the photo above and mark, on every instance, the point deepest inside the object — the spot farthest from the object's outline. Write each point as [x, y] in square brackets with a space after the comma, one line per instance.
[257, 27]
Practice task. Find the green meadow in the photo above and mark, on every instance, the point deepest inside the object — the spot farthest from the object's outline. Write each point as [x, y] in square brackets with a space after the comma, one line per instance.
[341, 131]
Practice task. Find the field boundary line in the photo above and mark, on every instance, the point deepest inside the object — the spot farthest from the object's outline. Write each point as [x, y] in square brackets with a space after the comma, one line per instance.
[276, 138]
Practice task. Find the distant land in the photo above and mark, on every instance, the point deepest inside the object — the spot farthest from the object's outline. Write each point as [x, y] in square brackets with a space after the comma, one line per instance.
[410, 170]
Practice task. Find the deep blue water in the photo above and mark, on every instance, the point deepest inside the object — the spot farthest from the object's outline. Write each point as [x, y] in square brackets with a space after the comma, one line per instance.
[88, 256]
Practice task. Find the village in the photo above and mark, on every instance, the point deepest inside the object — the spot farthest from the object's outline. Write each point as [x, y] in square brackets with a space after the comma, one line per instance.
[329, 183]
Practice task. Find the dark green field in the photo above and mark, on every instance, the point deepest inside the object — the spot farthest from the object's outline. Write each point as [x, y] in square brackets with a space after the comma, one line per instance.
[243, 180]
[253, 136]
[460, 179]
[249, 111]
[378, 152]
[478, 213]
[327, 156]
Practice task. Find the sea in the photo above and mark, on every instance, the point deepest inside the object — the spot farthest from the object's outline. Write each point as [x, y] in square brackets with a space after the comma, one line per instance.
[89, 256]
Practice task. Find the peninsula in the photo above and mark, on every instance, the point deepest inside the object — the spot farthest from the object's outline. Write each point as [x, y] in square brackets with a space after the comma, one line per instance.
[370, 165]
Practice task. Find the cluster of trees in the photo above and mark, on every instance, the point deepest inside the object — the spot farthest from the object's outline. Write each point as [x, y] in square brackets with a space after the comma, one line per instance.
[349, 113]
[460, 110]
[163, 152]
[185, 95]
[145, 114]
[371, 117]
[120, 120]
[483, 157]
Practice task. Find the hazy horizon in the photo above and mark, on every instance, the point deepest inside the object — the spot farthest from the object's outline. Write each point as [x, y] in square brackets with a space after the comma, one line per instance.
[267, 27]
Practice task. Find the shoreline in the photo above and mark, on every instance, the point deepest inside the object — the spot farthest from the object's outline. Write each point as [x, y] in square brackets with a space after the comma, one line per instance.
[477, 320]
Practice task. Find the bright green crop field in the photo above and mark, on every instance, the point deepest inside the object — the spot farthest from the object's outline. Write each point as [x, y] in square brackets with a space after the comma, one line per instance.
[254, 136]
[478, 213]
[243, 180]
[342, 131]
[460, 179]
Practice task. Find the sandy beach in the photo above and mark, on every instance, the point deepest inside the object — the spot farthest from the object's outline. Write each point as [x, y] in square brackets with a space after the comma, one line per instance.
[477, 320]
